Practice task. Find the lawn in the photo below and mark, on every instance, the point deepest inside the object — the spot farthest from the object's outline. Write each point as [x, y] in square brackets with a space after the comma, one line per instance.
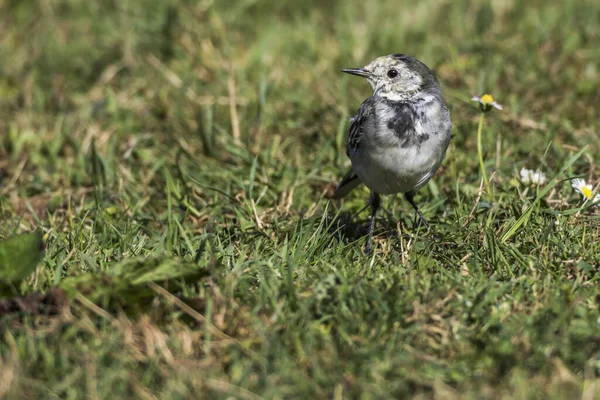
[178, 155]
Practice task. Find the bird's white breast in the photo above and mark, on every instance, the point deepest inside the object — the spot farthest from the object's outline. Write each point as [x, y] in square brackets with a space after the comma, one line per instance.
[385, 166]
[395, 170]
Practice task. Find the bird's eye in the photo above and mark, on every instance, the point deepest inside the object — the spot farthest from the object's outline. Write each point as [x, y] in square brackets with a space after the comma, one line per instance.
[392, 73]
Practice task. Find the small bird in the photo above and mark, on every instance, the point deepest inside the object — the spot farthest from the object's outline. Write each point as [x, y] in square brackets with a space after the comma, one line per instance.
[399, 137]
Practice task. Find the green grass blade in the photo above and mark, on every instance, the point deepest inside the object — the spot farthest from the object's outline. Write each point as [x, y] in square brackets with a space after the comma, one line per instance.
[524, 218]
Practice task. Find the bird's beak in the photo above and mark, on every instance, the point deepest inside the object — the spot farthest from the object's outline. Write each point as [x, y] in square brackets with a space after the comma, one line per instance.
[357, 71]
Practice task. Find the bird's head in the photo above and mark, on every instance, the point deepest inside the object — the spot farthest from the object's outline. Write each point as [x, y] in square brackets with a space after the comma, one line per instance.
[397, 77]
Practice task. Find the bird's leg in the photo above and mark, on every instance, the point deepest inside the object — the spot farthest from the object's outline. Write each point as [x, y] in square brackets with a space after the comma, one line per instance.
[374, 200]
[410, 196]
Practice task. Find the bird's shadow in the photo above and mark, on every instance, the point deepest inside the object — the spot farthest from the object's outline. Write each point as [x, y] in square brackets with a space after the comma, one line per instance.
[348, 228]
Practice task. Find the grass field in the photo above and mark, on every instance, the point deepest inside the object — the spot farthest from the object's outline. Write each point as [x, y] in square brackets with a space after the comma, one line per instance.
[178, 155]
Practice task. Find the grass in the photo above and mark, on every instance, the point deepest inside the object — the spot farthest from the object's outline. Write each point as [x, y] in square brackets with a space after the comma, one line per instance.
[208, 133]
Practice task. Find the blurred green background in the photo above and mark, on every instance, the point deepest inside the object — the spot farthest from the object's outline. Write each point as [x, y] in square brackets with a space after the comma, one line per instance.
[210, 132]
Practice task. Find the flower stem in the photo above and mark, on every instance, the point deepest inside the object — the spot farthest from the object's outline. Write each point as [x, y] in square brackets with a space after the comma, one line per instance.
[479, 151]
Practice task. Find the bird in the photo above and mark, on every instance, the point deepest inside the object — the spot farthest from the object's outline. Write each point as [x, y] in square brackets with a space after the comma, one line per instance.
[399, 137]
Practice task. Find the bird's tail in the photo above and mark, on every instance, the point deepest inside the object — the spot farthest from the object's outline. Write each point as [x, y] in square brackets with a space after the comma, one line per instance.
[348, 183]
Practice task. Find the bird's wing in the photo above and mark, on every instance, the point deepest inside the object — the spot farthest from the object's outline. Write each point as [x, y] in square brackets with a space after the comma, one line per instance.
[348, 183]
[355, 133]
[357, 125]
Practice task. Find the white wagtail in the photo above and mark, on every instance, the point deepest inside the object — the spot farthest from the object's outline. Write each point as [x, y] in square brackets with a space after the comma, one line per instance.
[399, 136]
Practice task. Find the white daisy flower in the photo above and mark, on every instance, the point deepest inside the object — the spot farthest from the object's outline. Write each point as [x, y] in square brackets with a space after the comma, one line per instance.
[529, 176]
[486, 102]
[585, 189]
